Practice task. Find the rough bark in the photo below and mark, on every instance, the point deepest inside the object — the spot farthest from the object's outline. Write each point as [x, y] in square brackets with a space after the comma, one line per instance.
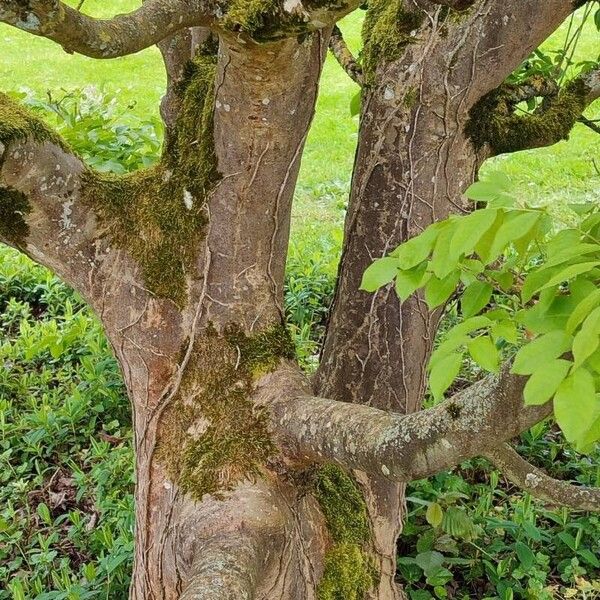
[414, 161]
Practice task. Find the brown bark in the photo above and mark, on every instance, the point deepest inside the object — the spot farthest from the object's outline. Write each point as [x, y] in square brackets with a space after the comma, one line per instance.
[414, 161]
[240, 280]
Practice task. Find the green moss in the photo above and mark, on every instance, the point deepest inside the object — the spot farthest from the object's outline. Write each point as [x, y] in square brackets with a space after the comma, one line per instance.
[343, 505]
[254, 17]
[348, 574]
[411, 97]
[18, 123]
[388, 28]
[212, 436]
[493, 120]
[348, 571]
[267, 20]
[14, 206]
[159, 215]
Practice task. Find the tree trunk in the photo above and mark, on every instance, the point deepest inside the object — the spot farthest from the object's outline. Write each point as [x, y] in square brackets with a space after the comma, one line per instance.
[184, 265]
[413, 163]
[186, 369]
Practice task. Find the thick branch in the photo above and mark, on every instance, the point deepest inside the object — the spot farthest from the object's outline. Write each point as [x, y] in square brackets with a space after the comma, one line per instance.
[497, 126]
[124, 34]
[156, 20]
[342, 53]
[539, 484]
[41, 212]
[403, 447]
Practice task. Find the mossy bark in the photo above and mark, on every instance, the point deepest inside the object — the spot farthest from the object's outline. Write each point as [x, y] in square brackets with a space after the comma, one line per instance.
[415, 159]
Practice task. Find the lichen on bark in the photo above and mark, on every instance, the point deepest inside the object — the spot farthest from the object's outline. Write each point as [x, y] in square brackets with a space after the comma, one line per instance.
[212, 436]
[494, 122]
[159, 215]
[349, 571]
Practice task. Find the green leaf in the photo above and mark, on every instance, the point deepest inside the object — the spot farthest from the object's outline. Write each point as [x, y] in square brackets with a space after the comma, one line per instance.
[544, 382]
[553, 311]
[569, 253]
[429, 561]
[458, 336]
[484, 352]
[586, 342]
[506, 330]
[475, 297]
[587, 444]
[505, 279]
[575, 405]
[582, 310]
[541, 350]
[417, 249]
[407, 282]
[525, 554]
[469, 230]
[517, 224]
[443, 373]
[458, 524]
[380, 273]
[589, 557]
[437, 291]
[434, 514]
[44, 513]
[482, 248]
[563, 274]
[442, 262]
[495, 185]
[593, 361]
[568, 540]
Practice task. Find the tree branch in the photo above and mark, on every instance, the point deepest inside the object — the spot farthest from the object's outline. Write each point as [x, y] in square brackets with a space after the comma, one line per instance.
[124, 34]
[156, 20]
[593, 125]
[401, 447]
[539, 484]
[342, 53]
[41, 212]
[496, 126]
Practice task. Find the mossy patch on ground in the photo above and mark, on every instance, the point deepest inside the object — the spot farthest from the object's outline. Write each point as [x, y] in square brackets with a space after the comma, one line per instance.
[212, 436]
[349, 572]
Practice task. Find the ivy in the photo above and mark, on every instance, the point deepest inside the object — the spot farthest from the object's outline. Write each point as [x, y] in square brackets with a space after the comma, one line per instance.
[524, 289]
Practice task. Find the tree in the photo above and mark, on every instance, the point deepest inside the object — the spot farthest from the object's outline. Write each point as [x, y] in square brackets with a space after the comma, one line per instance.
[253, 482]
